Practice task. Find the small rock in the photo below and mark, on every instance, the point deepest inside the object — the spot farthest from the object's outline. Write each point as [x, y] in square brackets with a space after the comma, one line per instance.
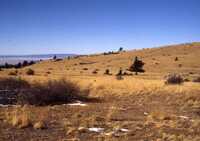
[39, 125]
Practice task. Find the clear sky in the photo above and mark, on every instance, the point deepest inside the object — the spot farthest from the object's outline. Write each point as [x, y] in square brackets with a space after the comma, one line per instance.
[89, 26]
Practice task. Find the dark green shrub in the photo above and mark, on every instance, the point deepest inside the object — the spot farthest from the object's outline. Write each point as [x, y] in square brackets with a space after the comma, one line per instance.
[137, 66]
[174, 79]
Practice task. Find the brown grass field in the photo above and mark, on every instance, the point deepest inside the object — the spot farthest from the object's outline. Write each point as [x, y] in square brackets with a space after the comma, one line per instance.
[137, 108]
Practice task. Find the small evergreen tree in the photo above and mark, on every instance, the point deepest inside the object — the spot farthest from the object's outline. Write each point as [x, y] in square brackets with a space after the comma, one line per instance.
[25, 63]
[120, 49]
[6, 65]
[54, 57]
[19, 65]
[137, 66]
[107, 71]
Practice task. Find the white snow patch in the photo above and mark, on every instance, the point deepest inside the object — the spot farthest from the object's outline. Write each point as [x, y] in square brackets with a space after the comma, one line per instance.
[98, 130]
[78, 103]
[5, 106]
[124, 130]
[184, 117]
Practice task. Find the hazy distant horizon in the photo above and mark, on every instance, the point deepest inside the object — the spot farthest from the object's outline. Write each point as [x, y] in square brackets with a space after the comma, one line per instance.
[14, 59]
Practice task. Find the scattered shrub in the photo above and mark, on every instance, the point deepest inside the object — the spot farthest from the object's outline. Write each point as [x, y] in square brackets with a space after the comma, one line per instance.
[30, 72]
[176, 59]
[13, 84]
[13, 73]
[174, 79]
[186, 80]
[197, 79]
[191, 72]
[120, 72]
[19, 65]
[119, 75]
[48, 72]
[95, 71]
[107, 72]
[85, 68]
[110, 52]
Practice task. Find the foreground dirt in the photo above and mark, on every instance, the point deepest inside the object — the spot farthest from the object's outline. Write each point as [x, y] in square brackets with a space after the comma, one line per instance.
[140, 117]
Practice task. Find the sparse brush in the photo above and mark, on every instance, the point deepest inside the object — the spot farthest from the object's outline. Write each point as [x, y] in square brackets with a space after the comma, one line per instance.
[85, 68]
[174, 79]
[197, 79]
[95, 71]
[13, 84]
[47, 93]
[107, 72]
[176, 59]
[51, 92]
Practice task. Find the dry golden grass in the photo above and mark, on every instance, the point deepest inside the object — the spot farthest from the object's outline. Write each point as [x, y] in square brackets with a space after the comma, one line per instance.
[144, 104]
[23, 117]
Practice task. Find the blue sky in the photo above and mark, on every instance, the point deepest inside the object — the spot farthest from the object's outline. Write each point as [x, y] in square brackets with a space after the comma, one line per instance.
[89, 26]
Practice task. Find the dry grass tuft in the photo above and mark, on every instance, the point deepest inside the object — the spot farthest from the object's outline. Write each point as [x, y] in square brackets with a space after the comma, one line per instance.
[14, 73]
[30, 72]
[20, 118]
[40, 125]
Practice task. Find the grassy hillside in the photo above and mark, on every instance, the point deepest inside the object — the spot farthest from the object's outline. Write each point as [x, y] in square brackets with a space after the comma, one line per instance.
[143, 106]
[158, 62]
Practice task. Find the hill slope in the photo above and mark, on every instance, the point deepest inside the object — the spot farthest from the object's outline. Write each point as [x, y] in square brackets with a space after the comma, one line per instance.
[158, 62]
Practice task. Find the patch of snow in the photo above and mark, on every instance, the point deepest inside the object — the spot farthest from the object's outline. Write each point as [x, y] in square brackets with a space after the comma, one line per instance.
[78, 103]
[98, 130]
[5, 106]
[184, 117]
[109, 133]
[124, 130]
